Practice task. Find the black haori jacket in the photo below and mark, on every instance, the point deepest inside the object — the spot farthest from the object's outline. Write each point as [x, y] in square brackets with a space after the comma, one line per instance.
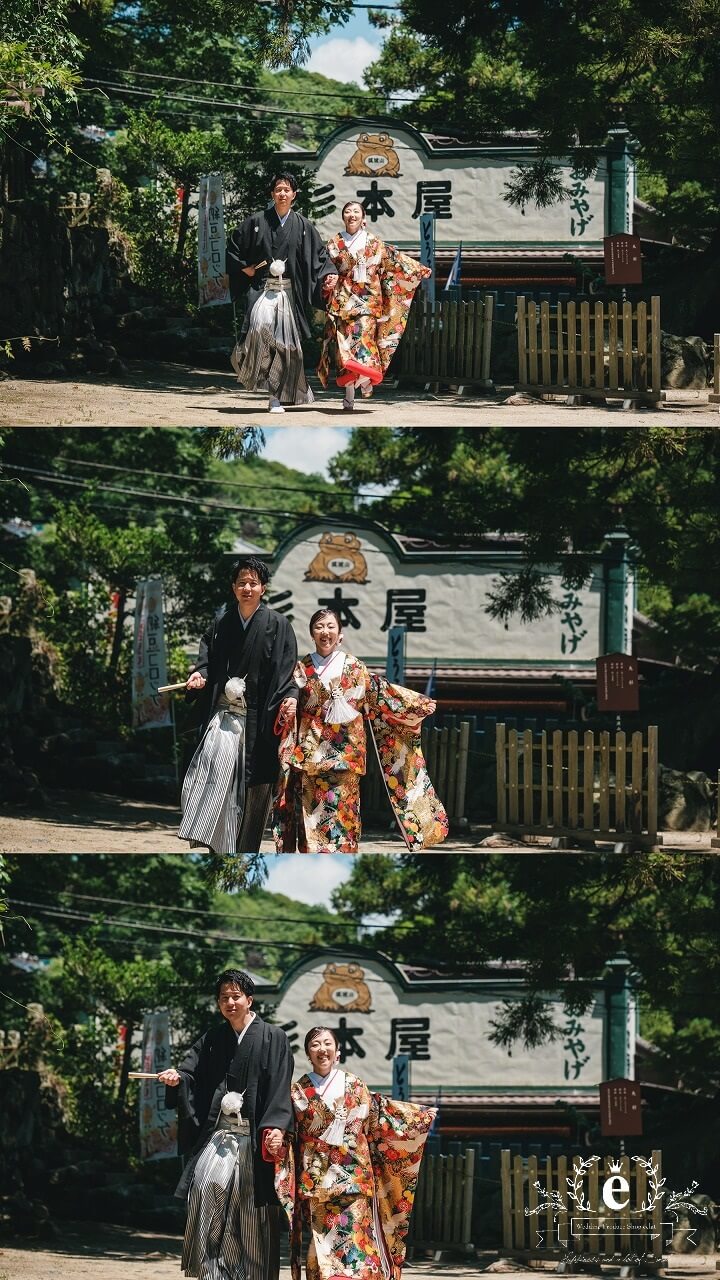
[306, 255]
[266, 655]
[261, 1067]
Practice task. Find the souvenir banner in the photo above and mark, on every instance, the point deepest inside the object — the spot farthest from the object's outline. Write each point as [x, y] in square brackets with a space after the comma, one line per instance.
[158, 1126]
[212, 278]
[150, 710]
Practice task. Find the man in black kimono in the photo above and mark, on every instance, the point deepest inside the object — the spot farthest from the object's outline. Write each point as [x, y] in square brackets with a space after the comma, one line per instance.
[233, 772]
[232, 1092]
[278, 233]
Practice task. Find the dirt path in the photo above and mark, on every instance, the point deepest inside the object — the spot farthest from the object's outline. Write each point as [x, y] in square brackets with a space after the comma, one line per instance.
[91, 822]
[174, 395]
[91, 1251]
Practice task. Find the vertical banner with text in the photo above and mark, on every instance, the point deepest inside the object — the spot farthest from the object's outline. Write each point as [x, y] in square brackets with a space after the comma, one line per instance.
[213, 284]
[158, 1126]
[427, 252]
[150, 709]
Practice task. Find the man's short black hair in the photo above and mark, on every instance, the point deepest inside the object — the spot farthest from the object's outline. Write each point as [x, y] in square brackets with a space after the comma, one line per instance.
[254, 564]
[238, 978]
[283, 176]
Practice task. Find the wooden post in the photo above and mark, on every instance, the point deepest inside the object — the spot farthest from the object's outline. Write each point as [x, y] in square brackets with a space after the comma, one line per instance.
[588, 821]
[533, 343]
[715, 393]
[573, 778]
[518, 1205]
[544, 816]
[560, 343]
[467, 1204]
[522, 341]
[620, 823]
[557, 777]
[642, 347]
[501, 773]
[527, 755]
[599, 370]
[585, 343]
[652, 782]
[545, 343]
[655, 345]
[506, 1189]
[636, 791]
[514, 810]
[604, 823]
[572, 346]
[488, 312]
[613, 347]
[627, 346]
[462, 770]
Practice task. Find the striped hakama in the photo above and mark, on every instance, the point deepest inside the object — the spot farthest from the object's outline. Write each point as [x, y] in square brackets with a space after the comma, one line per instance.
[271, 358]
[213, 791]
[226, 1236]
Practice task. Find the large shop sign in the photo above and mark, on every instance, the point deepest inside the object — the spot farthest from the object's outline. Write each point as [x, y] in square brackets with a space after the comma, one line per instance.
[400, 176]
[440, 598]
[442, 1026]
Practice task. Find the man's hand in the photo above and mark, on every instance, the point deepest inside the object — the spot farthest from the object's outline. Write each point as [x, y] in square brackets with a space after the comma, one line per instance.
[274, 1139]
[170, 1077]
[248, 271]
[196, 681]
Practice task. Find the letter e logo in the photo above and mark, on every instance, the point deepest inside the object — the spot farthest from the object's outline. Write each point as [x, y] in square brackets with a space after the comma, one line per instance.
[611, 1188]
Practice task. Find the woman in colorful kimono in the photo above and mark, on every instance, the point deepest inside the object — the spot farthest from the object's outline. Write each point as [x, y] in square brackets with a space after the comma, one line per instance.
[357, 1159]
[323, 751]
[368, 307]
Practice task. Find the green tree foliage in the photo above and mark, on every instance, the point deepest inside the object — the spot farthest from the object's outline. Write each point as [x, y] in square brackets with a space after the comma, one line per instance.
[564, 490]
[564, 916]
[570, 70]
[111, 939]
[115, 507]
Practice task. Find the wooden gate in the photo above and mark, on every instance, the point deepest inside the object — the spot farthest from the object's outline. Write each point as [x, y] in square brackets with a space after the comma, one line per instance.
[603, 788]
[585, 1225]
[448, 342]
[611, 350]
[442, 1212]
[714, 396]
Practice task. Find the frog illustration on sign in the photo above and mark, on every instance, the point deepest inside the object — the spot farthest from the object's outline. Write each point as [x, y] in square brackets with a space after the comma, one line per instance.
[375, 155]
[343, 987]
[339, 559]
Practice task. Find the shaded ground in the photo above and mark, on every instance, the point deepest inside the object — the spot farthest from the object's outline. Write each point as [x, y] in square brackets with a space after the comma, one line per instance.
[90, 822]
[175, 395]
[91, 1251]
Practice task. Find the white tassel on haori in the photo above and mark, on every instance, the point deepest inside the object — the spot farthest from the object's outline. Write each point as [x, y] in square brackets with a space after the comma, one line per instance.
[334, 1135]
[235, 691]
[338, 709]
[277, 268]
[231, 1104]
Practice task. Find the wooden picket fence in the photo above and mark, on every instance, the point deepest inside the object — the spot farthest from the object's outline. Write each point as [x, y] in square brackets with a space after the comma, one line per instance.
[448, 342]
[601, 788]
[442, 1211]
[611, 350]
[446, 752]
[592, 1229]
[714, 396]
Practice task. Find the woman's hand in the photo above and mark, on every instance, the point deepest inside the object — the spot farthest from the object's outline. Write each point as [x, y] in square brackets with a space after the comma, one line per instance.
[288, 709]
[170, 1077]
[196, 681]
[274, 1140]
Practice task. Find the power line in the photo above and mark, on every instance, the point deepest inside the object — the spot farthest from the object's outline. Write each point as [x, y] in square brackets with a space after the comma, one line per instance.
[43, 909]
[259, 88]
[224, 484]
[183, 500]
[228, 915]
[215, 102]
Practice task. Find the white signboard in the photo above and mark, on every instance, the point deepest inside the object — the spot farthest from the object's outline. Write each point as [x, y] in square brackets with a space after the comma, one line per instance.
[213, 284]
[151, 710]
[399, 177]
[158, 1126]
[440, 599]
[444, 1029]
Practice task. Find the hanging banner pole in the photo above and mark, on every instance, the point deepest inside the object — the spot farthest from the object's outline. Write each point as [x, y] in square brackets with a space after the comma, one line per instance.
[213, 285]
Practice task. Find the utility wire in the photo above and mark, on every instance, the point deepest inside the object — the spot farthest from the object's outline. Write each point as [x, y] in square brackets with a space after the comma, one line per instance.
[259, 88]
[228, 915]
[214, 102]
[224, 484]
[42, 909]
